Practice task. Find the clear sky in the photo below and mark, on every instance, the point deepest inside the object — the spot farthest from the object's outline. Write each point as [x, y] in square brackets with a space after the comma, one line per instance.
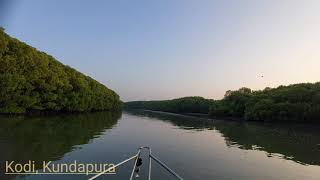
[162, 49]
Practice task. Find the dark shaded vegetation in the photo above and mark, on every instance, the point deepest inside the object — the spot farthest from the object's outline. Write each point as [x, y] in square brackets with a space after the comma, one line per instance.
[31, 80]
[180, 105]
[297, 102]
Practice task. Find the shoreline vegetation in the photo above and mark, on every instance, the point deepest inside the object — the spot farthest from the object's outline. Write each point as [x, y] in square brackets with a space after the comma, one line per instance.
[32, 81]
[296, 103]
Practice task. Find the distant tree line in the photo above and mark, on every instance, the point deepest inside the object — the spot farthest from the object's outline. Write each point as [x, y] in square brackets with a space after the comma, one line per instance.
[180, 105]
[297, 102]
[31, 80]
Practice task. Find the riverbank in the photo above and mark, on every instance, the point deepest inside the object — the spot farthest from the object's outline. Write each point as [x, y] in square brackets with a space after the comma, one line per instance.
[56, 113]
[208, 118]
[296, 103]
[197, 116]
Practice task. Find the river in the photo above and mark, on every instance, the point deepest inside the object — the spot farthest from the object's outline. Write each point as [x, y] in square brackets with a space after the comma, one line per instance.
[195, 148]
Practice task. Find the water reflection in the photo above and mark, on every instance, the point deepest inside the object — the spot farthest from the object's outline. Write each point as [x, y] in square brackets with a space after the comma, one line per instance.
[49, 138]
[300, 143]
[181, 121]
[297, 142]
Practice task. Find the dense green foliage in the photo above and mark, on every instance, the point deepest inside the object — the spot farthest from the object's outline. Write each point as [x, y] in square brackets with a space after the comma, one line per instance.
[298, 102]
[32, 80]
[180, 105]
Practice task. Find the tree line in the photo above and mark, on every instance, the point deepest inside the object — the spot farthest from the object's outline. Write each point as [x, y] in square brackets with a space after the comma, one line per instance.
[181, 105]
[297, 102]
[31, 80]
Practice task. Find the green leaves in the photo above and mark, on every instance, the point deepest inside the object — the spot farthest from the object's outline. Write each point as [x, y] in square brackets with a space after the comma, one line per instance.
[32, 80]
[298, 102]
[180, 105]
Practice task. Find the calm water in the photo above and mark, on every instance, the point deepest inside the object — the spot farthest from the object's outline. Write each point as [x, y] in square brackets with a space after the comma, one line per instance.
[195, 148]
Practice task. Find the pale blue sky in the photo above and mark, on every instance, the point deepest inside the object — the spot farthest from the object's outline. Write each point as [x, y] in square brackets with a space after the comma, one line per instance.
[145, 49]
